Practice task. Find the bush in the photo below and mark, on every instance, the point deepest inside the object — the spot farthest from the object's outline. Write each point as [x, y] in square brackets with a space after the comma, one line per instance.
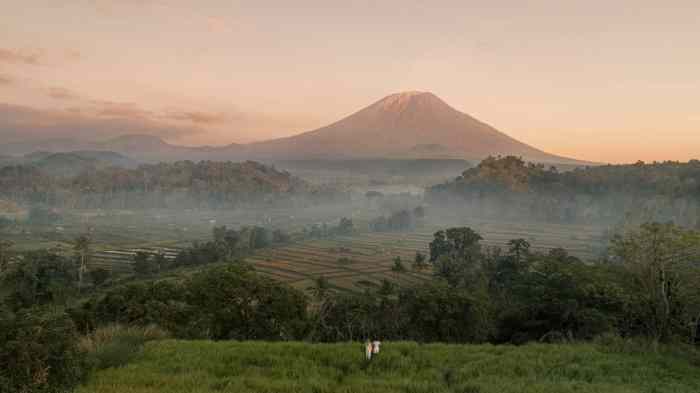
[39, 353]
[116, 345]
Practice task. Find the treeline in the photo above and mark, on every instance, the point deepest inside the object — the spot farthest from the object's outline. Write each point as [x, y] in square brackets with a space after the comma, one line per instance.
[323, 230]
[646, 289]
[165, 185]
[402, 220]
[510, 187]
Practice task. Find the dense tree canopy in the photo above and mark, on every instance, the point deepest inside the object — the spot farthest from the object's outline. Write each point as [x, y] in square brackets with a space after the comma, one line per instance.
[508, 186]
[183, 183]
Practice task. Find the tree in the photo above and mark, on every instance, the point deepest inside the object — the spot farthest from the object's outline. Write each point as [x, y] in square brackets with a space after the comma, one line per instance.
[320, 289]
[419, 262]
[345, 227]
[5, 246]
[657, 256]
[82, 245]
[419, 212]
[160, 261]
[233, 302]
[398, 266]
[435, 311]
[459, 243]
[99, 276]
[519, 249]
[39, 352]
[456, 255]
[142, 263]
[43, 278]
[280, 237]
[386, 288]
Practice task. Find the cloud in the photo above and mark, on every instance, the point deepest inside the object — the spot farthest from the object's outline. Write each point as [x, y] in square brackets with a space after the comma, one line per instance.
[72, 54]
[61, 93]
[121, 109]
[20, 123]
[6, 80]
[201, 118]
[16, 56]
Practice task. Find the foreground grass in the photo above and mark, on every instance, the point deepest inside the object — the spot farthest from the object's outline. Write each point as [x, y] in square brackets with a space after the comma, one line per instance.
[201, 366]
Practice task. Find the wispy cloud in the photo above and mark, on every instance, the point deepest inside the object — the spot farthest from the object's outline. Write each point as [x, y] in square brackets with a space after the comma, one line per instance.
[18, 56]
[202, 118]
[38, 57]
[72, 54]
[61, 93]
[121, 109]
[21, 123]
[6, 80]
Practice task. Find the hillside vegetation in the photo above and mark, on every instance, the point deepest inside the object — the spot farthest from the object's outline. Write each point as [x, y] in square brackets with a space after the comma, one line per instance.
[508, 187]
[164, 185]
[205, 366]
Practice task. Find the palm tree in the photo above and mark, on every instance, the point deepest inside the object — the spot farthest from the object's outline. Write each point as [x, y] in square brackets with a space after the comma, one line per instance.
[398, 267]
[82, 245]
[5, 246]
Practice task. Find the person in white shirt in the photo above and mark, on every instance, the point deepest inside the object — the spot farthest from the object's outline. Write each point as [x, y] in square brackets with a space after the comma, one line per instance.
[375, 347]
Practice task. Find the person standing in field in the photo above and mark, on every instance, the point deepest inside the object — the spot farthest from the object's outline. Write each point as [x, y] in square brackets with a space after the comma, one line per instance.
[368, 350]
[375, 347]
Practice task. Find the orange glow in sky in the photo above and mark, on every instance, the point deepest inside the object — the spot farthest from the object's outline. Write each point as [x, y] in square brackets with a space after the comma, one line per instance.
[595, 80]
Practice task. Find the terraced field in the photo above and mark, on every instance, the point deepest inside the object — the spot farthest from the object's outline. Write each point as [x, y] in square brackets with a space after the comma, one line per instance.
[349, 262]
[121, 260]
[354, 262]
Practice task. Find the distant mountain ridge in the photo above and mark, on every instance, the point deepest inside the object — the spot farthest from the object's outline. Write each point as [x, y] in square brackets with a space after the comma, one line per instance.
[66, 164]
[402, 126]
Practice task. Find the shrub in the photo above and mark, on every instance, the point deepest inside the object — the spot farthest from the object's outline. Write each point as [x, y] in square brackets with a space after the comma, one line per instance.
[39, 353]
[116, 345]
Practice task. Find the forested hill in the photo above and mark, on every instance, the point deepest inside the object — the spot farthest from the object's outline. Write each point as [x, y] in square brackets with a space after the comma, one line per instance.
[660, 191]
[164, 185]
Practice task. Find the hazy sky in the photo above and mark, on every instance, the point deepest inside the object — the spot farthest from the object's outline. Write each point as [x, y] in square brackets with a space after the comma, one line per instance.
[614, 80]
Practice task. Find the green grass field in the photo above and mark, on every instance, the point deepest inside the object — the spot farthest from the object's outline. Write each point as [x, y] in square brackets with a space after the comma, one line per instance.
[202, 366]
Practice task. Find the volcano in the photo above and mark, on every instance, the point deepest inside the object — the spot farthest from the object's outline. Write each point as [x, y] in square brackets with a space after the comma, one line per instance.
[407, 125]
[403, 125]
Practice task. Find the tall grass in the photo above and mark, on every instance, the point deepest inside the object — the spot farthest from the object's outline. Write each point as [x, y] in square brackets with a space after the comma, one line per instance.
[116, 345]
[202, 367]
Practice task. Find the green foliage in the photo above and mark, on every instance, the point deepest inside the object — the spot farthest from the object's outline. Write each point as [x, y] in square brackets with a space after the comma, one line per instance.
[398, 266]
[39, 352]
[661, 259]
[235, 303]
[419, 262]
[42, 278]
[510, 187]
[5, 253]
[143, 265]
[99, 276]
[401, 220]
[247, 367]
[320, 289]
[456, 254]
[116, 345]
[437, 312]
[177, 184]
[345, 227]
[229, 302]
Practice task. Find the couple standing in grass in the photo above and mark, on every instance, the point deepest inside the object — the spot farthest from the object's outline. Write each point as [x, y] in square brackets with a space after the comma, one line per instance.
[371, 349]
